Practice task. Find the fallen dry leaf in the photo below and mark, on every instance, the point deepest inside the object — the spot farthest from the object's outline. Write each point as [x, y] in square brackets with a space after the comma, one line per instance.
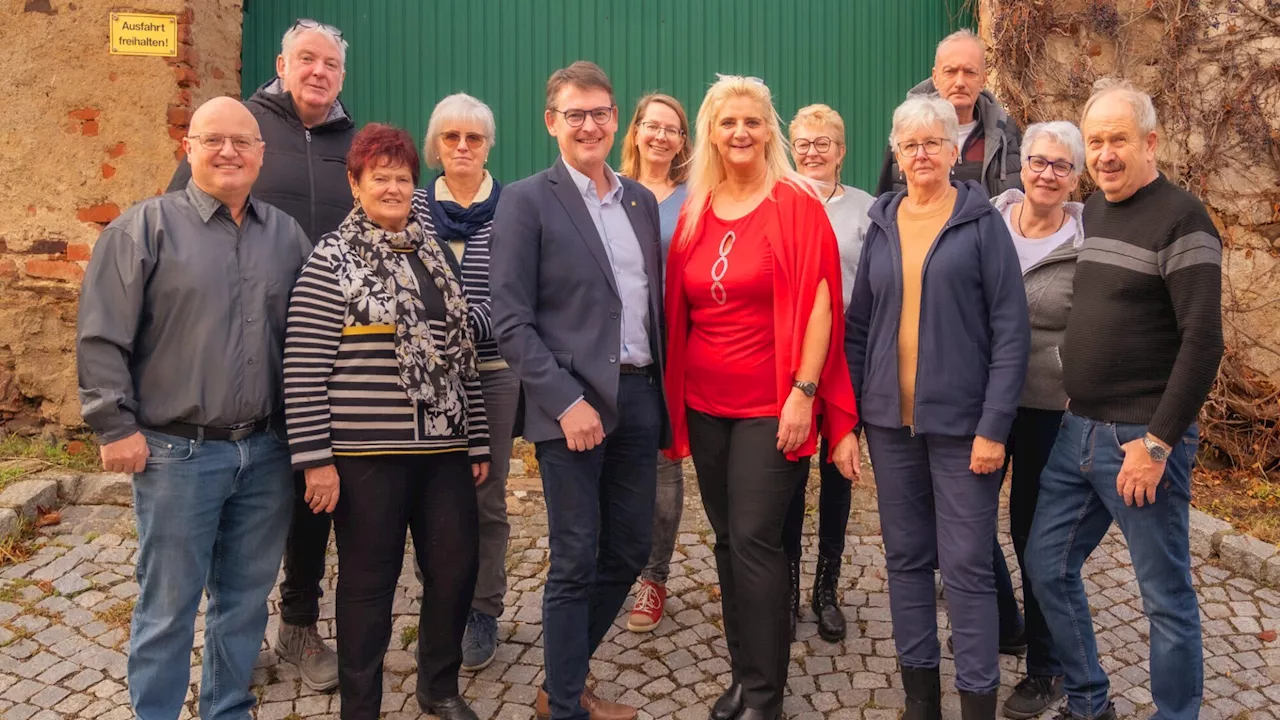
[1267, 636]
[45, 519]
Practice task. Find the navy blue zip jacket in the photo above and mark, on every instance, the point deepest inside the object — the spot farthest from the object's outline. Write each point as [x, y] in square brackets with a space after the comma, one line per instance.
[974, 332]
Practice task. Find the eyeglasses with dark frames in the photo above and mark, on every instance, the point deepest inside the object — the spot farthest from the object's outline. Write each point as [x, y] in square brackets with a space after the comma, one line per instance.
[309, 24]
[1061, 168]
[821, 144]
[576, 117]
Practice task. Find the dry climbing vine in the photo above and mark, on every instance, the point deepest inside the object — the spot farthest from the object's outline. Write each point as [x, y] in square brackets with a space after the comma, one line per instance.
[1213, 70]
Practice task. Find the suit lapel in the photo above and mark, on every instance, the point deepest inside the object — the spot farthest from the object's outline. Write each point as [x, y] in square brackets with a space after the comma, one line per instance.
[644, 232]
[566, 191]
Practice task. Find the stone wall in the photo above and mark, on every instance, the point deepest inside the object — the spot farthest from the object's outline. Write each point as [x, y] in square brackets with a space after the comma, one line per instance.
[1213, 68]
[83, 135]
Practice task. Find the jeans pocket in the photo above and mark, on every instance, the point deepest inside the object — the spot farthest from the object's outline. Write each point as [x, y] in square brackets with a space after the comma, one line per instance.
[163, 448]
[1126, 433]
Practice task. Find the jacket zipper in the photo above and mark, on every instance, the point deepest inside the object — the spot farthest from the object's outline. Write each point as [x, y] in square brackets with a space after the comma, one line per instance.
[311, 178]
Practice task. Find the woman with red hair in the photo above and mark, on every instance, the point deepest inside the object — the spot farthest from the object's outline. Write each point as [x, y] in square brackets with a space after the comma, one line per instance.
[386, 418]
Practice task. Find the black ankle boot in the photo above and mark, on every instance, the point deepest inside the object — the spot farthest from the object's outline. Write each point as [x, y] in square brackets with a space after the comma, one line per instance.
[974, 706]
[923, 688]
[795, 594]
[825, 604]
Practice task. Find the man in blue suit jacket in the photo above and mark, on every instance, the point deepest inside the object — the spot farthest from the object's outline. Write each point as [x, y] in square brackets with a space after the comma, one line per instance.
[576, 280]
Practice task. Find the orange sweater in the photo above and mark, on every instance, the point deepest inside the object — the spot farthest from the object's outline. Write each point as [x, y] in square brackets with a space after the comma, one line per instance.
[918, 229]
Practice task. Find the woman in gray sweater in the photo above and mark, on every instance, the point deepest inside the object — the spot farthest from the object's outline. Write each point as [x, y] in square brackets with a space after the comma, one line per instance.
[1048, 233]
[818, 148]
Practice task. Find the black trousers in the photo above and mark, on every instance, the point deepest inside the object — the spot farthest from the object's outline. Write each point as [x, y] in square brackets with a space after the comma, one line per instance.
[434, 496]
[304, 560]
[747, 486]
[1032, 439]
[835, 496]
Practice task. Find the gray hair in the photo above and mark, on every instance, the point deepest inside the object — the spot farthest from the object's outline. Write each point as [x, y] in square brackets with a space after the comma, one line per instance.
[962, 34]
[293, 33]
[1144, 110]
[459, 107]
[1062, 132]
[921, 111]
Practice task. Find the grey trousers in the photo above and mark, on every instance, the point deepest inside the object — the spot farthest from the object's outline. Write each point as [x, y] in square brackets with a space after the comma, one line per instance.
[666, 519]
[501, 391]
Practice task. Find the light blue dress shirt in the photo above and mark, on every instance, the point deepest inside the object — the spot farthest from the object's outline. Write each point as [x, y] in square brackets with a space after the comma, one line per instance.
[627, 261]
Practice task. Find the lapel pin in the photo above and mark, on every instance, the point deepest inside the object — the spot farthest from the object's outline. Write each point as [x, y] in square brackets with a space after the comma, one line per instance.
[633, 203]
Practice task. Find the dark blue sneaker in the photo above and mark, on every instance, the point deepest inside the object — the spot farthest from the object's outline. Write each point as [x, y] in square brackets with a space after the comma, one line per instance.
[479, 642]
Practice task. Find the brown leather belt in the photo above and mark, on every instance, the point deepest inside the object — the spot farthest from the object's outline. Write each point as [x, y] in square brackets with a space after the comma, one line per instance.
[628, 369]
[230, 434]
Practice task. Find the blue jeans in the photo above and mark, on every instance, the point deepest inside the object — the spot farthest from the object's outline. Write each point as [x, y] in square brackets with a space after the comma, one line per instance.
[1078, 500]
[213, 516]
[599, 523]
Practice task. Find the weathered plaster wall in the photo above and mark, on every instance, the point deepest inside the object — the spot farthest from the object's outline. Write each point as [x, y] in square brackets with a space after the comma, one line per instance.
[1213, 68]
[83, 135]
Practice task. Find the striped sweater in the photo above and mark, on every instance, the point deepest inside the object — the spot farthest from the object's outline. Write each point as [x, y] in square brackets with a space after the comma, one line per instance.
[475, 282]
[341, 379]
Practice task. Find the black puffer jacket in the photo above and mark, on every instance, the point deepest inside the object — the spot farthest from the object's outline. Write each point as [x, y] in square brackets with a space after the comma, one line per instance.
[1001, 162]
[304, 172]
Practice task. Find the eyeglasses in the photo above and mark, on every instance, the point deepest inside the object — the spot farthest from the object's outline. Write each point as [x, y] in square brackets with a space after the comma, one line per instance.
[654, 128]
[748, 78]
[451, 139]
[309, 24]
[911, 148]
[1061, 168]
[214, 142]
[821, 144]
[576, 117]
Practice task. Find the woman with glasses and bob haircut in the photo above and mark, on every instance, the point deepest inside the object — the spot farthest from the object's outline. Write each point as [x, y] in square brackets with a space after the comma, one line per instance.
[655, 153]
[457, 208]
[1048, 233]
[755, 349]
[937, 345]
[818, 148]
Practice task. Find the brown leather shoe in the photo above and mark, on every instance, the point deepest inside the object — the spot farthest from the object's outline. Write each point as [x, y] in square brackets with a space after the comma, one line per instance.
[598, 708]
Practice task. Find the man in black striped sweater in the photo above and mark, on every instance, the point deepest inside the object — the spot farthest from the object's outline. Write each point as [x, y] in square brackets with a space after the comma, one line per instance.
[1141, 351]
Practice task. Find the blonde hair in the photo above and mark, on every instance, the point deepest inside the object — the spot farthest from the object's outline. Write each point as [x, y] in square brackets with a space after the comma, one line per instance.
[706, 170]
[679, 171]
[823, 116]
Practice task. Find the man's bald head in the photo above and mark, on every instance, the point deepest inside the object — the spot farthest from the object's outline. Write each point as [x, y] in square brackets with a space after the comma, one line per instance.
[959, 70]
[224, 146]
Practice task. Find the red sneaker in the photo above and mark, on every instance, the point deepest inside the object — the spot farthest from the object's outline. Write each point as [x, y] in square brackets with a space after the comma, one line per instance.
[651, 598]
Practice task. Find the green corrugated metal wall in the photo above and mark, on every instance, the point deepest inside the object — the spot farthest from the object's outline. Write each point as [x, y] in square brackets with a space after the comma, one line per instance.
[859, 56]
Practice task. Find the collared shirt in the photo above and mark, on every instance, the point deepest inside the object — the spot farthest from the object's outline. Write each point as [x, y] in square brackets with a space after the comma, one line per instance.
[627, 261]
[182, 314]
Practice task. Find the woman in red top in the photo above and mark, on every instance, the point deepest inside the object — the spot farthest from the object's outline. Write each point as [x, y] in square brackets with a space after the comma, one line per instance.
[753, 282]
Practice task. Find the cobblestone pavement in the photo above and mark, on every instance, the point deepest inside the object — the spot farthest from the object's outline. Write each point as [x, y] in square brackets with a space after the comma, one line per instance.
[64, 627]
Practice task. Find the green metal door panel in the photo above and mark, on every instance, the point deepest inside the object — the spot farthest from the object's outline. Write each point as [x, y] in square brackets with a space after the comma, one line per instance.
[859, 56]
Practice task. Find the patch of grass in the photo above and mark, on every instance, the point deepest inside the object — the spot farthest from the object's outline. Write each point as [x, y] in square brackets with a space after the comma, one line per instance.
[17, 548]
[90, 537]
[78, 453]
[19, 633]
[408, 636]
[118, 615]
[10, 592]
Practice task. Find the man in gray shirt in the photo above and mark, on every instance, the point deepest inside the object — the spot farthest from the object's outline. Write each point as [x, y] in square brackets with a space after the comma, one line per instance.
[179, 347]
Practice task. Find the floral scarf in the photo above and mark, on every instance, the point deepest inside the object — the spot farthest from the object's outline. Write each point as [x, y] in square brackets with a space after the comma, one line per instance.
[427, 372]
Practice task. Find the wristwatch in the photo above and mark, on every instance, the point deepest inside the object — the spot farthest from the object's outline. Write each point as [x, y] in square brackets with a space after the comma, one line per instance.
[808, 388]
[1157, 451]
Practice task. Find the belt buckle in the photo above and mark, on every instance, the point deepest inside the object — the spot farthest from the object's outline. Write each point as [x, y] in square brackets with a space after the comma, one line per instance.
[236, 433]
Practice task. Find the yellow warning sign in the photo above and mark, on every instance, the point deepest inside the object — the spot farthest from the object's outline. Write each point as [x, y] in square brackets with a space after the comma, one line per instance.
[142, 34]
